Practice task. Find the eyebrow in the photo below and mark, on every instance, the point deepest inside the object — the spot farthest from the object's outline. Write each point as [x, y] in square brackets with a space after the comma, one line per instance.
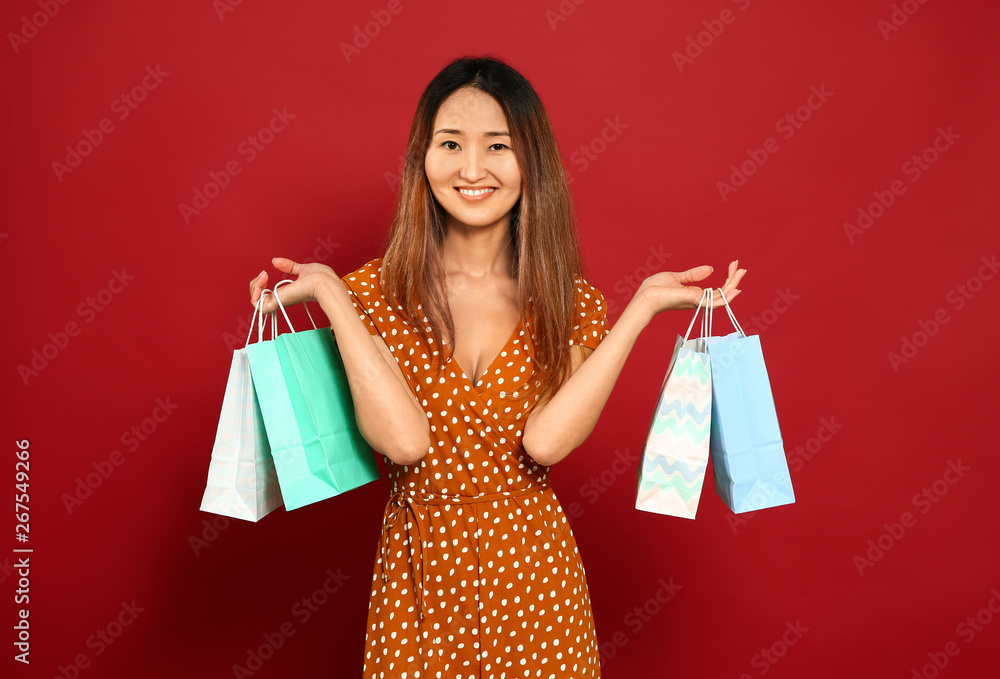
[485, 134]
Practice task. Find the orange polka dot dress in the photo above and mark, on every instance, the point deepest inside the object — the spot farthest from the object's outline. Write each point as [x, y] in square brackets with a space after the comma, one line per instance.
[477, 574]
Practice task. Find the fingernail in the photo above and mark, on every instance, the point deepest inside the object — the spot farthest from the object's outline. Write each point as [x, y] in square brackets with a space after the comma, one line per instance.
[262, 272]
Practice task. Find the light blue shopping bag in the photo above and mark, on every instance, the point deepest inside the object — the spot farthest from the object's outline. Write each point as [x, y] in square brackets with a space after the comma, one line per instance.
[748, 456]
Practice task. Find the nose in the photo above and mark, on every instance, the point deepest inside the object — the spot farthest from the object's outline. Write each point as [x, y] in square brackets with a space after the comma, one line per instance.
[473, 167]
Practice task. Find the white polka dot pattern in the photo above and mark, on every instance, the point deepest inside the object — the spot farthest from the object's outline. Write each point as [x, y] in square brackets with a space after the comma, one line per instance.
[478, 574]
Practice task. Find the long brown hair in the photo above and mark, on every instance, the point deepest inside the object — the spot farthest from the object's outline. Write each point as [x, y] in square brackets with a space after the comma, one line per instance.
[542, 224]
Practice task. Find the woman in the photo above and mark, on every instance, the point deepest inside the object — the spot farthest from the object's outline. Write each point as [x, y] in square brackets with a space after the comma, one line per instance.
[489, 360]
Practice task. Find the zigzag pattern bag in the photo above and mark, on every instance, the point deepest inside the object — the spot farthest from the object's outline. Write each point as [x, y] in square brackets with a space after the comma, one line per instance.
[675, 454]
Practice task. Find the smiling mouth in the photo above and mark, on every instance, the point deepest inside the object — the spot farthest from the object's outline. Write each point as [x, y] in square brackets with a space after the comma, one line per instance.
[476, 195]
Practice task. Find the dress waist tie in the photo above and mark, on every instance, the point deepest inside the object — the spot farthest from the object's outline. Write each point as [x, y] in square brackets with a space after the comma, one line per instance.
[402, 502]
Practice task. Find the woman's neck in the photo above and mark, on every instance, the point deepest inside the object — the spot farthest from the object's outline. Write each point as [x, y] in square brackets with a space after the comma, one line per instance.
[478, 251]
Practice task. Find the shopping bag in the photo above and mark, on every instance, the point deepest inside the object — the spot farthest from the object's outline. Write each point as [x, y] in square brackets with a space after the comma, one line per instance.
[308, 413]
[675, 454]
[748, 456]
[241, 479]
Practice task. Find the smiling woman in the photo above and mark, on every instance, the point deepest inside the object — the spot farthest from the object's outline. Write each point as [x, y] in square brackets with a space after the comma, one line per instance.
[482, 143]
[490, 360]
[500, 585]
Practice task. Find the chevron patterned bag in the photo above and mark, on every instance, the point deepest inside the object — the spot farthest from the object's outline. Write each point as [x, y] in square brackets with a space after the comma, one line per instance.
[675, 454]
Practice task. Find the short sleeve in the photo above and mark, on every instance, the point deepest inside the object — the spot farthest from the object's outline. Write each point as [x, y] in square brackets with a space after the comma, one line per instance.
[590, 325]
[363, 289]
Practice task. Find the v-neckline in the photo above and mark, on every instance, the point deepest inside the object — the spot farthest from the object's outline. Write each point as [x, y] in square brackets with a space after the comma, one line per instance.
[499, 354]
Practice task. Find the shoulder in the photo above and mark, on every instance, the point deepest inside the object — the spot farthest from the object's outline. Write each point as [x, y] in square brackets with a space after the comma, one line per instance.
[365, 279]
[590, 325]
[588, 296]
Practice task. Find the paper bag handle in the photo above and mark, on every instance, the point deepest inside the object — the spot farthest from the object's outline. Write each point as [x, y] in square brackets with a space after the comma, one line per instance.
[261, 321]
[282, 306]
[706, 319]
[707, 293]
[732, 316]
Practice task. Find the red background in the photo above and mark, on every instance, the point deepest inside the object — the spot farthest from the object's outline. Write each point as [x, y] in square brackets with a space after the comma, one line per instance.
[651, 189]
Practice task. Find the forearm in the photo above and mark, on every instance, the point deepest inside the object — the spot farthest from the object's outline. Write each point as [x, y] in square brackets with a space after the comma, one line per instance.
[388, 416]
[566, 420]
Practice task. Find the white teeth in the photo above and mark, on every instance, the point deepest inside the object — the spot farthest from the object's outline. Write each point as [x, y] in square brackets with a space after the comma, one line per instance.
[475, 193]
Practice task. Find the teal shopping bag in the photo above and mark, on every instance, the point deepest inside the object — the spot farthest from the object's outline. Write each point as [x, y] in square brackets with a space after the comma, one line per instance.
[748, 455]
[305, 400]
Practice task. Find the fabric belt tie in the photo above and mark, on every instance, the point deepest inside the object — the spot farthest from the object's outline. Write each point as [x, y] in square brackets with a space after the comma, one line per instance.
[402, 502]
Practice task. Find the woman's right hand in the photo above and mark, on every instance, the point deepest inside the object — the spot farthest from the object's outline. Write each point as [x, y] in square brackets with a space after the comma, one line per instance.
[305, 287]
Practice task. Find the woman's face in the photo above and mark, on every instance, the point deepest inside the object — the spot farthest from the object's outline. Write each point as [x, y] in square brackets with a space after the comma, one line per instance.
[471, 147]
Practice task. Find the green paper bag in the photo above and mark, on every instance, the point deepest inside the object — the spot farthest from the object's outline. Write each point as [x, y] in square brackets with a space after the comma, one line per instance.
[308, 413]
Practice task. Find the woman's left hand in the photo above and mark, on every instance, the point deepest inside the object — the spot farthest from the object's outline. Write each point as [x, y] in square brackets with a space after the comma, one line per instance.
[672, 290]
